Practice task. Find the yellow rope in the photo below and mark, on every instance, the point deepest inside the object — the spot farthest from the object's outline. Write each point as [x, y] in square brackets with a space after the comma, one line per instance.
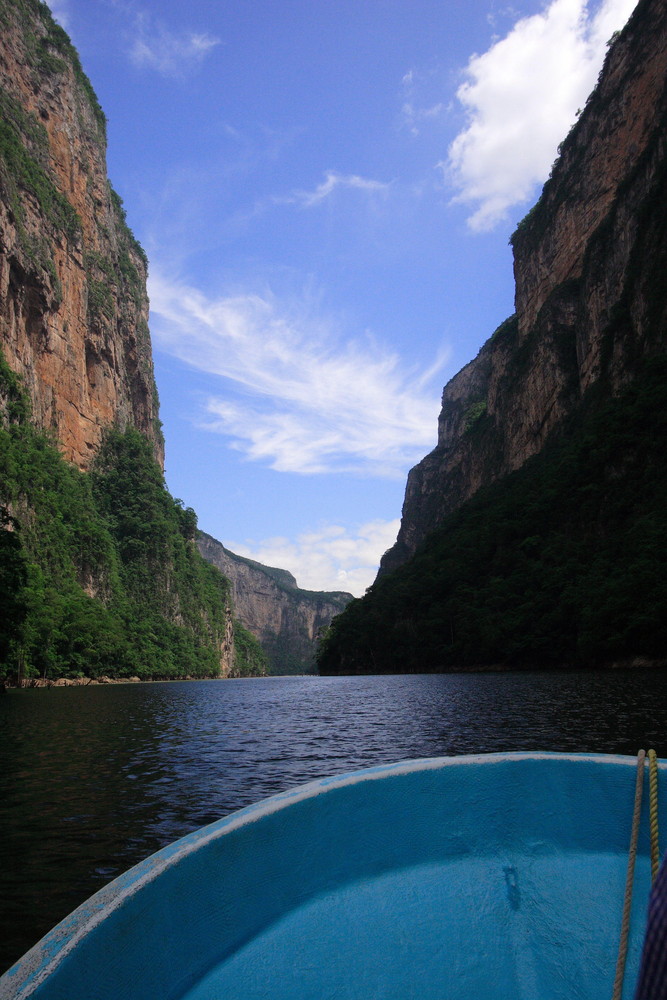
[653, 811]
[627, 901]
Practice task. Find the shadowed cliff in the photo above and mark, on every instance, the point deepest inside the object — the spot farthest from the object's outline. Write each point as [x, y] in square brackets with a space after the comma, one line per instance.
[589, 266]
[532, 534]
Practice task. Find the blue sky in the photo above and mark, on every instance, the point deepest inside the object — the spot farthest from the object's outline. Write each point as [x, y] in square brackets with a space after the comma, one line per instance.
[325, 190]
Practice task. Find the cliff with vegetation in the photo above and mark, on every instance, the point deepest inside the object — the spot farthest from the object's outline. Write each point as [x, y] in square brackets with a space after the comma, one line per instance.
[286, 620]
[589, 266]
[99, 570]
[532, 534]
[74, 318]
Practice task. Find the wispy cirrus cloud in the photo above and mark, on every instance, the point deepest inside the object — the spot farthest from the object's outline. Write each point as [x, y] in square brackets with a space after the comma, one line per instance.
[327, 558]
[294, 395]
[414, 113]
[416, 116]
[332, 182]
[171, 54]
[521, 97]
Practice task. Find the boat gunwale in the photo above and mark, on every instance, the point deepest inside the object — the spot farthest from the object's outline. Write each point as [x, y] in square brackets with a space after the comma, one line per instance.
[41, 961]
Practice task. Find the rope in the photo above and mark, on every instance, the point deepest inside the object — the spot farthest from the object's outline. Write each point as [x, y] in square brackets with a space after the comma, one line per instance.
[653, 812]
[627, 900]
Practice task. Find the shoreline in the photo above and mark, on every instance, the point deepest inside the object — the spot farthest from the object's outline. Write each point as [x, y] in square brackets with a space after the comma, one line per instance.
[636, 663]
[41, 683]
[631, 663]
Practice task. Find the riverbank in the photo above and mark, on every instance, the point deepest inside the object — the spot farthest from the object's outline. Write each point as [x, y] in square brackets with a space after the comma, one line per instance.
[44, 682]
[636, 663]
[631, 663]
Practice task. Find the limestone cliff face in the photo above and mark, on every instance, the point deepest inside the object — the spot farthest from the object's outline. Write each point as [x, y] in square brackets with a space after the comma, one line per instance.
[591, 275]
[73, 304]
[285, 619]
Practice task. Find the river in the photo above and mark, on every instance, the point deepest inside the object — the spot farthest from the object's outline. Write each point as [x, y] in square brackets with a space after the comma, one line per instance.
[94, 779]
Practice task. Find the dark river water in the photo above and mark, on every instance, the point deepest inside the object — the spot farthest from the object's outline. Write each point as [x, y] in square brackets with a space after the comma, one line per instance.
[94, 779]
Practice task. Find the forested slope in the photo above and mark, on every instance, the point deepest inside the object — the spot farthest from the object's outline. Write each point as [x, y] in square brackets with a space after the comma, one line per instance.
[560, 564]
[99, 572]
[533, 534]
[99, 569]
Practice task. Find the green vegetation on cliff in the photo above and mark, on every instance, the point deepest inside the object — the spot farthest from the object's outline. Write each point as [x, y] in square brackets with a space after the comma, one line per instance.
[99, 572]
[24, 167]
[50, 49]
[560, 563]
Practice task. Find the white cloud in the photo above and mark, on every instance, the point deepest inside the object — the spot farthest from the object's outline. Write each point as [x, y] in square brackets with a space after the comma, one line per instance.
[296, 396]
[329, 558]
[521, 97]
[331, 182]
[156, 47]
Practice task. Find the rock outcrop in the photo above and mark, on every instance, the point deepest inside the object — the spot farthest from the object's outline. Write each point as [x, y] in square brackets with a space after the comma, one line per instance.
[267, 601]
[73, 304]
[590, 263]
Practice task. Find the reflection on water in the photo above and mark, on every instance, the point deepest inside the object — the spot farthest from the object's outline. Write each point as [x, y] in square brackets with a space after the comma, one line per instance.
[94, 779]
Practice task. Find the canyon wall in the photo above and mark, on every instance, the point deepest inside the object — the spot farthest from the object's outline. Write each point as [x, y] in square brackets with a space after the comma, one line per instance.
[590, 264]
[286, 620]
[100, 574]
[533, 536]
[73, 303]
[74, 329]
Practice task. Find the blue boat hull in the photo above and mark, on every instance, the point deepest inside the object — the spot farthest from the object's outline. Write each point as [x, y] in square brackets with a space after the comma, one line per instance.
[476, 877]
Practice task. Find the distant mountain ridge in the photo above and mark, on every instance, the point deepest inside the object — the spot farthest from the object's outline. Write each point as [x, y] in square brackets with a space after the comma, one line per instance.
[286, 620]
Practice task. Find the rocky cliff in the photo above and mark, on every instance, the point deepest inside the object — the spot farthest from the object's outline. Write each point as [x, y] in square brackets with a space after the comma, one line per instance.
[99, 570]
[590, 264]
[533, 535]
[286, 620]
[73, 304]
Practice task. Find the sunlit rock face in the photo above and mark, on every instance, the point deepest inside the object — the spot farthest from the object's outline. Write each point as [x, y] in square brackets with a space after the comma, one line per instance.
[286, 620]
[590, 266]
[73, 303]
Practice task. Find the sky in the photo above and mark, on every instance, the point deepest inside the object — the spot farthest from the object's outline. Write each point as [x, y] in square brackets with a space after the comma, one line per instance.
[325, 190]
